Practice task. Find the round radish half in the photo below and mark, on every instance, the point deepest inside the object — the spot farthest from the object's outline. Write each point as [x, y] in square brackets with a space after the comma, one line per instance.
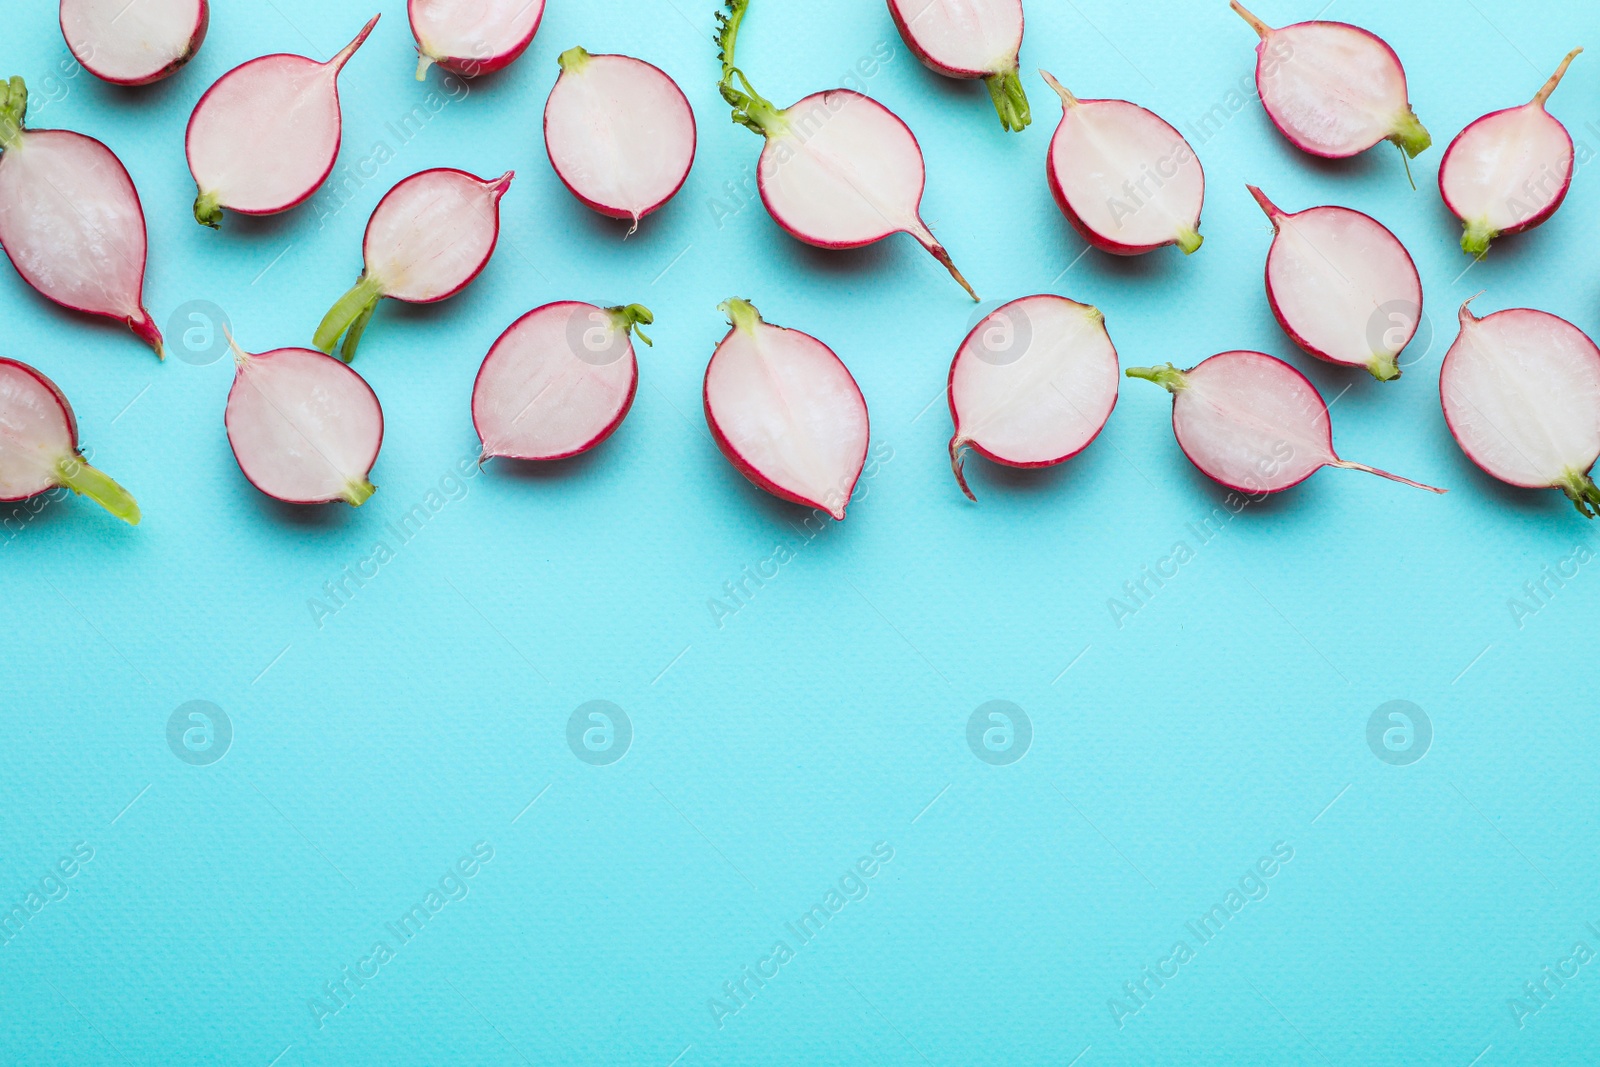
[1521, 394]
[266, 135]
[559, 381]
[134, 43]
[70, 219]
[428, 238]
[1032, 385]
[786, 412]
[39, 445]
[1508, 171]
[1342, 286]
[1125, 179]
[970, 39]
[472, 37]
[1252, 422]
[619, 132]
[304, 427]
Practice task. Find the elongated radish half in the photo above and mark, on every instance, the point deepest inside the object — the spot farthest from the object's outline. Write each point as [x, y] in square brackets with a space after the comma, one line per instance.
[428, 238]
[266, 135]
[1521, 394]
[1508, 171]
[134, 43]
[304, 427]
[786, 412]
[39, 445]
[970, 39]
[472, 37]
[1252, 422]
[619, 132]
[1032, 385]
[1125, 179]
[70, 219]
[559, 381]
[838, 170]
[1342, 286]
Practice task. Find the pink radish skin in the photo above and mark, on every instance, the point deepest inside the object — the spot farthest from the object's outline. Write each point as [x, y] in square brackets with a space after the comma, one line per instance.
[1342, 286]
[428, 238]
[134, 43]
[1521, 394]
[786, 412]
[1032, 385]
[70, 219]
[1126, 180]
[472, 37]
[265, 137]
[559, 381]
[39, 445]
[1252, 422]
[970, 39]
[1508, 171]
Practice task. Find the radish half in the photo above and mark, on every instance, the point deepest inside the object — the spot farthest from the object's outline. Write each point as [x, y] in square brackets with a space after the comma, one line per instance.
[1252, 422]
[1032, 384]
[472, 37]
[39, 445]
[1342, 286]
[70, 219]
[970, 39]
[1521, 394]
[786, 412]
[1508, 171]
[134, 43]
[838, 170]
[559, 381]
[266, 135]
[428, 238]
[1125, 179]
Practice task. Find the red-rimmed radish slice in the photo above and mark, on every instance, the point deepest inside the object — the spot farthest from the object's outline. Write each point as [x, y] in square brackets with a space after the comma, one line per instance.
[134, 42]
[39, 445]
[1032, 384]
[472, 37]
[786, 412]
[970, 39]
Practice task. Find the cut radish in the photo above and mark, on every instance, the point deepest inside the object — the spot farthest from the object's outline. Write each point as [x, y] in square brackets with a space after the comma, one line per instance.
[619, 133]
[304, 427]
[1125, 179]
[1521, 394]
[838, 170]
[39, 445]
[266, 135]
[1032, 385]
[1508, 171]
[70, 219]
[1342, 286]
[559, 381]
[428, 238]
[472, 37]
[134, 43]
[970, 39]
[786, 412]
[1252, 422]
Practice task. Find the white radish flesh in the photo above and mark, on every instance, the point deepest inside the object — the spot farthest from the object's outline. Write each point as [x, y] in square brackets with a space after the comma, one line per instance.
[970, 39]
[472, 37]
[137, 42]
[39, 445]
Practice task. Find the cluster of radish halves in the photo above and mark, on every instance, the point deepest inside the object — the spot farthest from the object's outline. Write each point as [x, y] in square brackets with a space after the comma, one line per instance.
[1032, 384]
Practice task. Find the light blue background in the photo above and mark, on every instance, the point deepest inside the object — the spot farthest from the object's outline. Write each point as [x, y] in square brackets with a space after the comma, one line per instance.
[830, 712]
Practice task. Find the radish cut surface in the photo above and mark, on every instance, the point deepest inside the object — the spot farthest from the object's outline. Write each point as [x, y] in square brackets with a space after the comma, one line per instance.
[970, 39]
[472, 37]
[134, 43]
[39, 445]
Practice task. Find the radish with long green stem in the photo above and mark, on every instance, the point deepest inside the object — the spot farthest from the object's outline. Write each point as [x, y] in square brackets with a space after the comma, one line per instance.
[39, 445]
[970, 39]
[134, 42]
[472, 37]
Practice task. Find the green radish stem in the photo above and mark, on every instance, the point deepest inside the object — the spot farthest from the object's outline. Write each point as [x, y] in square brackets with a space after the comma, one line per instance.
[750, 108]
[1583, 493]
[630, 317]
[1168, 377]
[13, 110]
[77, 475]
[1005, 89]
[349, 317]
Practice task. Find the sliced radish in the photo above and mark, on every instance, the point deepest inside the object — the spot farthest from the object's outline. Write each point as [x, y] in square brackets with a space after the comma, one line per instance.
[1342, 286]
[1125, 179]
[266, 135]
[619, 132]
[1508, 171]
[838, 170]
[786, 412]
[1032, 385]
[1521, 394]
[134, 43]
[472, 37]
[70, 219]
[559, 381]
[970, 39]
[39, 445]
[1252, 422]
[428, 238]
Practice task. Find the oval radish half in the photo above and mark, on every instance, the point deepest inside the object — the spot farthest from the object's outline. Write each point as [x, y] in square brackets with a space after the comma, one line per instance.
[472, 37]
[39, 445]
[134, 43]
[970, 39]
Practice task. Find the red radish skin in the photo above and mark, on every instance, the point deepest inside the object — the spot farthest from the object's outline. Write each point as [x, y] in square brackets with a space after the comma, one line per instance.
[428, 238]
[70, 219]
[134, 43]
[39, 445]
[472, 37]
[786, 412]
[265, 137]
[1342, 286]
[970, 39]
